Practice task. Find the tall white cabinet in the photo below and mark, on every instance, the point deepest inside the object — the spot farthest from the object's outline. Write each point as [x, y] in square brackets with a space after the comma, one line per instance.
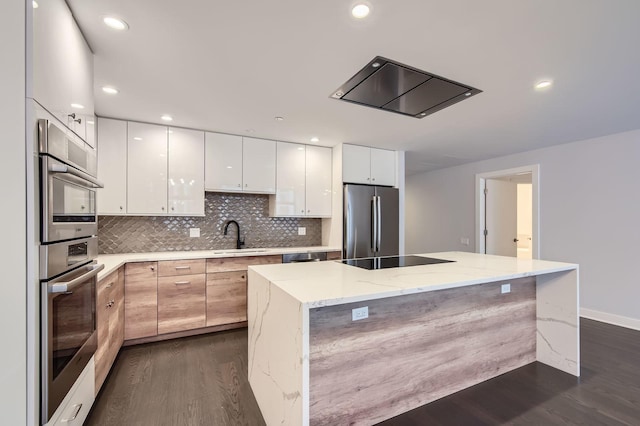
[112, 167]
[185, 191]
[303, 181]
[147, 169]
[239, 164]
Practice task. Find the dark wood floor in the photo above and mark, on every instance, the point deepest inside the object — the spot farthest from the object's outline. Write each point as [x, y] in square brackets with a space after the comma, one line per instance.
[203, 381]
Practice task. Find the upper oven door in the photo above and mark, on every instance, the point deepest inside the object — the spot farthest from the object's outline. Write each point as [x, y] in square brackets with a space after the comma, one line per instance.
[68, 202]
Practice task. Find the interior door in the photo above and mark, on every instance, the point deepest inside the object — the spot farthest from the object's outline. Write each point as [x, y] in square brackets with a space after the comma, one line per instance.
[501, 217]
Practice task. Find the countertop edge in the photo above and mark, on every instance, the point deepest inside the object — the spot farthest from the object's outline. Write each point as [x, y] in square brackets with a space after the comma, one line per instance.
[114, 261]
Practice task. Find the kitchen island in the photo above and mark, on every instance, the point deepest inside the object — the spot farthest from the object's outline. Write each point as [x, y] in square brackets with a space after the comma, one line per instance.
[317, 356]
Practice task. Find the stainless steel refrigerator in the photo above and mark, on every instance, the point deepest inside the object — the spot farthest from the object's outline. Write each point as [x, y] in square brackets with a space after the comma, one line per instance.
[370, 221]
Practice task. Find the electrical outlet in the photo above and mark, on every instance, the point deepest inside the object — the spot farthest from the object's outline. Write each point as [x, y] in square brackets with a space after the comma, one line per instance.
[194, 232]
[464, 241]
[359, 313]
[302, 230]
[506, 288]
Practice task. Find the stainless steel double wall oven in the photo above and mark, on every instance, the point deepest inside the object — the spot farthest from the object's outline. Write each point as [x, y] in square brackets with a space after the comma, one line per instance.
[68, 267]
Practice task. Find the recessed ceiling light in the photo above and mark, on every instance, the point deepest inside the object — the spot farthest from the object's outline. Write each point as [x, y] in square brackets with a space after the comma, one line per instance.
[279, 118]
[339, 94]
[314, 139]
[137, 138]
[110, 90]
[35, 4]
[468, 94]
[360, 11]
[423, 114]
[543, 84]
[166, 118]
[115, 23]
[375, 64]
[77, 106]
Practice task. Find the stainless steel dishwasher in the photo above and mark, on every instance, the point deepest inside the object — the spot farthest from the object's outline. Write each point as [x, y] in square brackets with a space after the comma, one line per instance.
[316, 256]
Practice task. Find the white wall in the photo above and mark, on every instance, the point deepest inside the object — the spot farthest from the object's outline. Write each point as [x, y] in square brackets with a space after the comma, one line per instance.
[589, 206]
[13, 365]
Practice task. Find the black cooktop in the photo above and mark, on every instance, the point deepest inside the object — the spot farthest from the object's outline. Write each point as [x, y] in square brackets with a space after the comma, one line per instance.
[393, 262]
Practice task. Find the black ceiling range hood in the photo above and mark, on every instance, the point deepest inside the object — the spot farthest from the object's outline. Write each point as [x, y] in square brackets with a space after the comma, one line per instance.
[394, 87]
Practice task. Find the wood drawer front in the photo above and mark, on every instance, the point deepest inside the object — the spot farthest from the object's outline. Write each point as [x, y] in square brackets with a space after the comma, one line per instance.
[141, 269]
[168, 268]
[224, 264]
[181, 303]
[109, 281]
[226, 297]
[334, 255]
[141, 300]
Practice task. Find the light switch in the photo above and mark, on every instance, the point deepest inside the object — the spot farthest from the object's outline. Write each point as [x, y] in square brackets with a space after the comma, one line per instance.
[194, 232]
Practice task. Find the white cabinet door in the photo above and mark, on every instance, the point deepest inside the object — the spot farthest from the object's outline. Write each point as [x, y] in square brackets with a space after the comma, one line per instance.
[186, 172]
[318, 181]
[259, 166]
[147, 169]
[289, 200]
[383, 167]
[223, 162]
[356, 164]
[112, 167]
[62, 65]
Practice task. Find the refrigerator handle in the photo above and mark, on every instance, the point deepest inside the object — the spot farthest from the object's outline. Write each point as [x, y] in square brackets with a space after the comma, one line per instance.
[374, 224]
[379, 221]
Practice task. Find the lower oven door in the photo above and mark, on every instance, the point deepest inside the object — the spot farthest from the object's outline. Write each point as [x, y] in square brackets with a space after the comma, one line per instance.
[68, 332]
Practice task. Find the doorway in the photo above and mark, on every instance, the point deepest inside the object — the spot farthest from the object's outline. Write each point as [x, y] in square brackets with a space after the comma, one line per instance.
[507, 212]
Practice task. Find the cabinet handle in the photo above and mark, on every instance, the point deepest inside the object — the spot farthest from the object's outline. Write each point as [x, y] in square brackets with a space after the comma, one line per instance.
[162, 208]
[182, 267]
[110, 284]
[239, 185]
[373, 179]
[302, 211]
[308, 211]
[76, 410]
[246, 185]
[368, 178]
[173, 208]
[153, 268]
[182, 282]
[242, 277]
[120, 207]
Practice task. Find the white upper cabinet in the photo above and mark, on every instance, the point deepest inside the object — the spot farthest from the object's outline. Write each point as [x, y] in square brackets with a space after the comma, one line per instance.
[223, 162]
[290, 181]
[361, 164]
[237, 164]
[356, 164]
[147, 169]
[62, 67]
[185, 190]
[318, 181]
[112, 167]
[303, 183]
[383, 167]
[258, 166]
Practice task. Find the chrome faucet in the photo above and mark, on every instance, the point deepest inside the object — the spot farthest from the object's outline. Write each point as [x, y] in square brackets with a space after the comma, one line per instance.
[239, 242]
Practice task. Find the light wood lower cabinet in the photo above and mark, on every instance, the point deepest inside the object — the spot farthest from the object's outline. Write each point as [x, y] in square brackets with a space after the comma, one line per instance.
[109, 323]
[181, 303]
[226, 297]
[141, 300]
[334, 255]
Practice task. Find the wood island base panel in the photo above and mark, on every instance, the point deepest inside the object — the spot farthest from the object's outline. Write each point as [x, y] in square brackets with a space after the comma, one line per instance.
[315, 359]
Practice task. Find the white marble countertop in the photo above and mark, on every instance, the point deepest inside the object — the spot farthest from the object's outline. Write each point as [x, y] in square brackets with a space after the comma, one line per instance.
[114, 261]
[332, 283]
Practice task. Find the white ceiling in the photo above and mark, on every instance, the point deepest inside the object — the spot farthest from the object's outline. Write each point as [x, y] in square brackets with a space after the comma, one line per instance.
[232, 66]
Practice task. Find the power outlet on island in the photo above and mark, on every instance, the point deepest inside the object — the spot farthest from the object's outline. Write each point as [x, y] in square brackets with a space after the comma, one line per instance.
[505, 288]
[302, 230]
[359, 313]
[194, 232]
[464, 241]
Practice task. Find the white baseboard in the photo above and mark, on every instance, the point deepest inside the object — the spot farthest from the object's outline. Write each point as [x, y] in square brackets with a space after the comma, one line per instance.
[620, 320]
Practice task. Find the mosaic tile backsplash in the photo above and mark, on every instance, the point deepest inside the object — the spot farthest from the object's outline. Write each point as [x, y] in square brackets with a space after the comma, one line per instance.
[133, 234]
